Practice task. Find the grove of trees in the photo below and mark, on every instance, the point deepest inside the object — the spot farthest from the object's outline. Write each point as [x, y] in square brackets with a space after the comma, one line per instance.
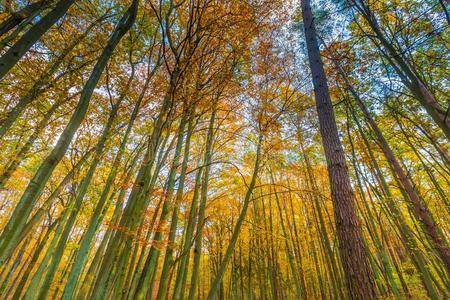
[224, 149]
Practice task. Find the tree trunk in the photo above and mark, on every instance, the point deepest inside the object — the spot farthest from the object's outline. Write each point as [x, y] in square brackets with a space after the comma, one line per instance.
[354, 258]
[420, 209]
[168, 257]
[406, 72]
[202, 205]
[99, 212]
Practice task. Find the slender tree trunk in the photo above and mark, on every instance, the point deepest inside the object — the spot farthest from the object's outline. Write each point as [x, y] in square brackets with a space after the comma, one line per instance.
[420, 209]
[99, 212]
[398, 219]
[153, 256]
[406, 72]
[382, 254]
[180, 281]
[202, 206]
[20, 155]
[300, 286]
[80, 193]
[92, 271]
[168, 257]
[137, 200]
[33, 261]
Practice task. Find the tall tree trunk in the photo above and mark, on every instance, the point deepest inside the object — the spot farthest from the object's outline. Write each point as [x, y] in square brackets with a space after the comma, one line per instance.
[168, 257]
[15, 162]
[202, 205]
[406, 232]
[180, 281]
[99, 212]
[354, 258]
[34, 259]
[80, 193]
[152, 259]
[137, 199]
[299, 282]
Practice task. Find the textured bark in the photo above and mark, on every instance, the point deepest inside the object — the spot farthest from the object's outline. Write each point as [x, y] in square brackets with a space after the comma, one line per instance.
[353, 254]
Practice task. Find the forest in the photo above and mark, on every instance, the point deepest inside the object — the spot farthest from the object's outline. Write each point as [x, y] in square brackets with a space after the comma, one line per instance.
[224, 149]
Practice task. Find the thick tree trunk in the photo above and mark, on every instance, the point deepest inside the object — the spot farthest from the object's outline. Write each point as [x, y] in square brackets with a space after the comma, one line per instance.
[354, 258]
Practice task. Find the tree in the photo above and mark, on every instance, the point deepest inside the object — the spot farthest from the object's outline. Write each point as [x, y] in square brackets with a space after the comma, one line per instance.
[353, 253]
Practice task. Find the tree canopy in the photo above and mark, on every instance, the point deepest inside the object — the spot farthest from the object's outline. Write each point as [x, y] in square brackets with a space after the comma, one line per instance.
[224, 149]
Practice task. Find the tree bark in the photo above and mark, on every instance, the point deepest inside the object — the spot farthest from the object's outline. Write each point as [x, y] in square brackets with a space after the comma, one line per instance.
[353, 254]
